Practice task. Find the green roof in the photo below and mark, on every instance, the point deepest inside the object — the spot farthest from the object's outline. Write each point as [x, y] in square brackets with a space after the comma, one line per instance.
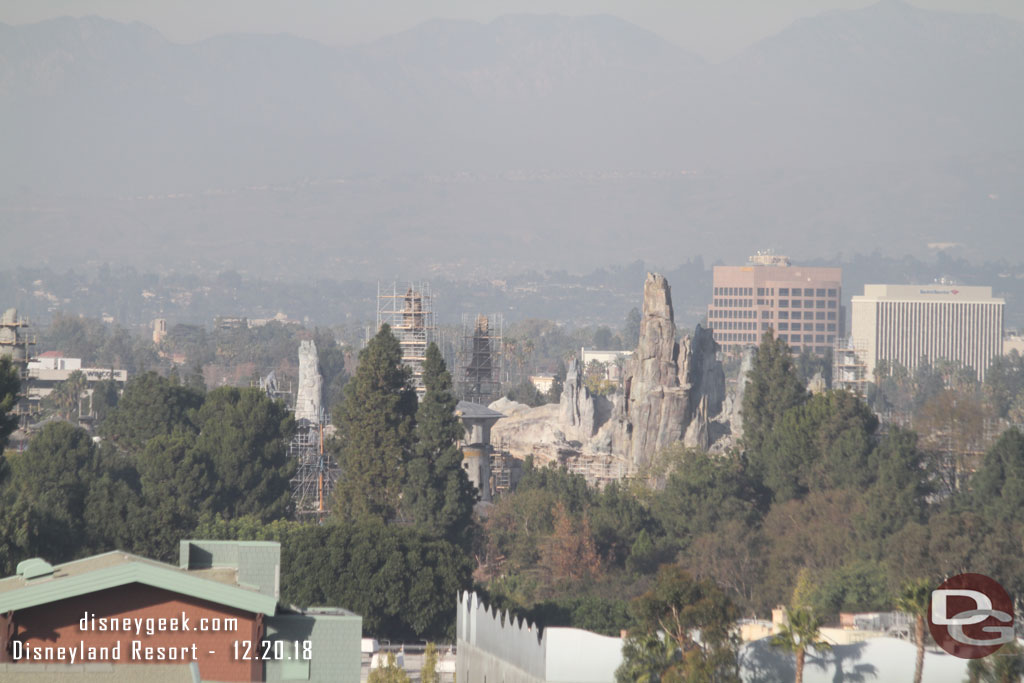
[114, 569]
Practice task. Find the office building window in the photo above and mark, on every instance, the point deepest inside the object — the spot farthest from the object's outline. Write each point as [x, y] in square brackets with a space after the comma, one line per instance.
[819, 292]
[784, 315]
[819, 338]
[820, 303]
[831, 327]
[808, 292]
[796, 326]
[783, 291]
[783, 326]
[819, 327]
[795, 303]
[784, 337]
[819, 315]
[796, 315]
[783, 303]
[808, 338]
[831, 315]
[760, 291]
[832, 292]
[831, 303]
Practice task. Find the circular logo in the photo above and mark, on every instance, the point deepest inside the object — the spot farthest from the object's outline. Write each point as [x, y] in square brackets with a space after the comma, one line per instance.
[971, 616]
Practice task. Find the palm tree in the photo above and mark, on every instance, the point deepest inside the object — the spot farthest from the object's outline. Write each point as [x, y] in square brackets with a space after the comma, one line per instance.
[647, 658]
[1004, 666]
[914, 600]
[799, 633]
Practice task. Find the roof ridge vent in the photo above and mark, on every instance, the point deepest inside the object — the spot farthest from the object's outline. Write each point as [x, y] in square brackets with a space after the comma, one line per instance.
[34, 568]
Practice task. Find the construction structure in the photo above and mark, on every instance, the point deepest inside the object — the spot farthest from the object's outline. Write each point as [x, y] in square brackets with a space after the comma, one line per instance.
[317, 473]
[849, 368]
[410, 315]
[16, 343]
[479, 361]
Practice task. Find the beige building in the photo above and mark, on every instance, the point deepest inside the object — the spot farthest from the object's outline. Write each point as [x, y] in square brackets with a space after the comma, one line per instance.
[801, 304]
[905, 323]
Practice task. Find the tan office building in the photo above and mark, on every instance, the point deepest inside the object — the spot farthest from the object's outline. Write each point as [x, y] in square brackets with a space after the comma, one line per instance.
[905, 323]
[801, 304]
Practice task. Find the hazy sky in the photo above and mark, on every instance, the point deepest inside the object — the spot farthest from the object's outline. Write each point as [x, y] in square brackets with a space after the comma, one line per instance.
[713, 28]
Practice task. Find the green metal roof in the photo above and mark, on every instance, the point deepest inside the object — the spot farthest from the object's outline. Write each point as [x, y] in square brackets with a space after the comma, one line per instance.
[117, 568]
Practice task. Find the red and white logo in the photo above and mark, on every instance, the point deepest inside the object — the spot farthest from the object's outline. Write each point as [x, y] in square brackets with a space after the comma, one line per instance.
[971, 616]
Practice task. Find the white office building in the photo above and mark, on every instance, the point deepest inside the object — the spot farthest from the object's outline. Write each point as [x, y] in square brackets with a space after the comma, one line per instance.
[905, 323]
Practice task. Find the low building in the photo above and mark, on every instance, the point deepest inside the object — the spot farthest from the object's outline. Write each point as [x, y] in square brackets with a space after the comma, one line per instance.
[611, 360]
[215, 615]
[51, 368]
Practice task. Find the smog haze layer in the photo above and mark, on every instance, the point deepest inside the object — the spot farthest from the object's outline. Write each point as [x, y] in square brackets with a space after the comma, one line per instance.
[500, 141]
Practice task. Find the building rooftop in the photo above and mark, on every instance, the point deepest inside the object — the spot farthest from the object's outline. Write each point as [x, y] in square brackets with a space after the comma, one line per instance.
[38, 583]
[475, 411]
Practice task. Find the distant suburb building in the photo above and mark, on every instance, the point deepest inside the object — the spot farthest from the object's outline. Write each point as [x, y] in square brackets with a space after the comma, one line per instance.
[801, 304]
[905, 323]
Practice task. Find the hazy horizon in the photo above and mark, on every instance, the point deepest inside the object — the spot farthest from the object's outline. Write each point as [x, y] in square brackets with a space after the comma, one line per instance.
[714, 30]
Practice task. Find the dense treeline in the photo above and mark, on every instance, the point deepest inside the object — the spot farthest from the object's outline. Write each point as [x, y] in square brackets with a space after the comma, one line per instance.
[173, 461]
[819, 493]
[821, 499]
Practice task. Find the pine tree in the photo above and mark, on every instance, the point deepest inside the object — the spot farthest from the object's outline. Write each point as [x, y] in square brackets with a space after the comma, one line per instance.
[376, 422]
[438, 496]
[773, 387]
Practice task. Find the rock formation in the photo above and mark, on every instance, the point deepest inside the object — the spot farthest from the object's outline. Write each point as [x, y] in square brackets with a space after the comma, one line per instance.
[576, 409]
[309, 397]
[673, 390]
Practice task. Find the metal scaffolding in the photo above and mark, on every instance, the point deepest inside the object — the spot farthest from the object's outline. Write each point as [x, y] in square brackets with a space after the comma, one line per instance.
[317, 474]
[849, 368]
[478, 375]
[17, 344]
[410, 315]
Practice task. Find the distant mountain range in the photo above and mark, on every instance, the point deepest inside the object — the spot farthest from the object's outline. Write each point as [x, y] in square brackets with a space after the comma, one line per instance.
[840, 121]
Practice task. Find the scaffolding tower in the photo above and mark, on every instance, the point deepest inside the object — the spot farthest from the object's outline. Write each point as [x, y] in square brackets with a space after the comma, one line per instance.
[317, 473]
[17, 343]
[478, 375]
[849, 368]
[410, 315]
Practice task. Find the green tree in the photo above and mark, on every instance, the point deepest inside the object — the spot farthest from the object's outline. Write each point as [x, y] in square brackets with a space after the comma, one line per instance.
[46, 497]
[438, 496]
[798, 634]
[824, 443]
[1005, 666]
[67, 394]
[178, 486]
[649, 658]
[150, 406]
[773, 387]
[10, 385]
[913, 600]
[376, 424]
[244, 434]
[679, 605]
[428, 673]
[389, 673]
[997, 488]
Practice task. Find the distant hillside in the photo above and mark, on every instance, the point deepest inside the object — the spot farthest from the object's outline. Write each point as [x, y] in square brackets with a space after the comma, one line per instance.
[572, 141]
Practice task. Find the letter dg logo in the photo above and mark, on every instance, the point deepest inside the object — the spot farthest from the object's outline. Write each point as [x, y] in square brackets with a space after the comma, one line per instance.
[971, 616]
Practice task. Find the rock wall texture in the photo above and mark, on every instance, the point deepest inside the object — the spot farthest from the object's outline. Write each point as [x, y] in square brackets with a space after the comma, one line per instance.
[673, 392]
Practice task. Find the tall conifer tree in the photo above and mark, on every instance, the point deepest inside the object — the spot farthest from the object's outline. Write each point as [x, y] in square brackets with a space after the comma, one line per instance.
[438, 495]
[376, 422]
